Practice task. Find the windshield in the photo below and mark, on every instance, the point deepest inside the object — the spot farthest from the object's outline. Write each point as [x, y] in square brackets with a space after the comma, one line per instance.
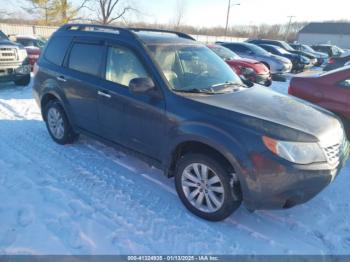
[308, 48]
[194, 68]
[281, 50]
[257, 49]
[224, 53]
[2, 35]
[30, 42]
[287, 46]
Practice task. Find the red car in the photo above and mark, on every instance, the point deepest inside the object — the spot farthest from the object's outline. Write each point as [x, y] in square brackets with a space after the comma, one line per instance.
[250, 69]
[33, 46]
[330, 90]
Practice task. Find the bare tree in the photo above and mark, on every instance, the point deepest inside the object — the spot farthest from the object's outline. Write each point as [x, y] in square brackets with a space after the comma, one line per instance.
[65, 11]
[109, 11]
[180, 12]
[40, 8]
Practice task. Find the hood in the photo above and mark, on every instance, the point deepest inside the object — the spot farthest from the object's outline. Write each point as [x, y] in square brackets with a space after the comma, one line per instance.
[33, 50]
[7, 42]
[345, 53]
[281, 58]
[275, 113]
[250, 63]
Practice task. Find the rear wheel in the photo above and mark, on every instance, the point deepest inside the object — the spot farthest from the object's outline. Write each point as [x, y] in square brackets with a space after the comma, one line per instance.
[57, 124]
[24, 81]
[206, 188]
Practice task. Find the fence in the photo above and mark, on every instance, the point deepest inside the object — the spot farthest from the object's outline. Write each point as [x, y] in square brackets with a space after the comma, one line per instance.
[46, 31]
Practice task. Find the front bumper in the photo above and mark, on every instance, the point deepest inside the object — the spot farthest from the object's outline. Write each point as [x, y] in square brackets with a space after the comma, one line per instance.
[278, 186]
[13, 72]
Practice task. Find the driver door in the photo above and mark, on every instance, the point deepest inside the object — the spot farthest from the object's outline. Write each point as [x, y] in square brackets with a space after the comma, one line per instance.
[136, 121]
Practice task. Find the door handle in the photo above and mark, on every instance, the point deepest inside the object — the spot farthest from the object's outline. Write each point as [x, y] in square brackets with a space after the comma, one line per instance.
[104, 94]
[61, 78]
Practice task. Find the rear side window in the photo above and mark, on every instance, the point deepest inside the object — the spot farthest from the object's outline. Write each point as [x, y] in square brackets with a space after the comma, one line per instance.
[56, 49]
[237, 48]
[86, 58]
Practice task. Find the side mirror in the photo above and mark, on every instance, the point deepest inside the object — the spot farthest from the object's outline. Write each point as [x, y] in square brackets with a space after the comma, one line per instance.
[141, 85]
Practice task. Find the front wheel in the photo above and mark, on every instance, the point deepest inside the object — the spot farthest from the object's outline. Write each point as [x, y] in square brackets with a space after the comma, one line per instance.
[24, 81]
[206, 188]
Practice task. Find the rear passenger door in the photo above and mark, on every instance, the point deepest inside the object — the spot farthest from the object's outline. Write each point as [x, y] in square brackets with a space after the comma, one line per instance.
[82, 78]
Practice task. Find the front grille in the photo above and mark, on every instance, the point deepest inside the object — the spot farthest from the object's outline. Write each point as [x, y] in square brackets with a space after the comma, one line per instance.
[8, 54]
[333, 154]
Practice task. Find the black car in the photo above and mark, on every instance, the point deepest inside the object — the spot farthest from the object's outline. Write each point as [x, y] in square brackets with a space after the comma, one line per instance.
[330, 50]
[299, 62]
[322, 58]
[286, 46]
[180, 107]
[337, 62]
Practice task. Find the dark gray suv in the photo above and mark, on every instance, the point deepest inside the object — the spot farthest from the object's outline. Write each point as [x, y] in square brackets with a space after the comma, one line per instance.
[177, 105]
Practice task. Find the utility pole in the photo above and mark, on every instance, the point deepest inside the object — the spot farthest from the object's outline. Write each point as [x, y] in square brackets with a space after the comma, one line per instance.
[288, 28]
[228, 15]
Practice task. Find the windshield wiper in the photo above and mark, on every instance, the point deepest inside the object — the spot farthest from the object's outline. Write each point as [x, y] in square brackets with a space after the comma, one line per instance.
[228, 84]
[195, 90]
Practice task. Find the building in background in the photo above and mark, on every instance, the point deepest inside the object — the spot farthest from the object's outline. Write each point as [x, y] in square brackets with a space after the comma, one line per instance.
[326, 33]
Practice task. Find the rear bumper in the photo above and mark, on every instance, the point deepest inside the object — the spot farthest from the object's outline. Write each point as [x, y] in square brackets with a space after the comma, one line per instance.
[279, 186]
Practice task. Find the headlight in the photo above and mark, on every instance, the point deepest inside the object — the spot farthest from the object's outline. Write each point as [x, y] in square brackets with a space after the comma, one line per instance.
[247, 70]
[22, 53]
[296, 152]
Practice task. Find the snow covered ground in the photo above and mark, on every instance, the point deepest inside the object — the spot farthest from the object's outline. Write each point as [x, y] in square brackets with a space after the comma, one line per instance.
[87, 198]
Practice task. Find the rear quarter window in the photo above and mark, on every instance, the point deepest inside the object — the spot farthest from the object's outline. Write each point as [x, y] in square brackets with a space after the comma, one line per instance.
[56, 49]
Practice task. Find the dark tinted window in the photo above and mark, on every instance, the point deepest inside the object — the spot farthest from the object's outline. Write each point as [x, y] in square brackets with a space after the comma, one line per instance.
[2, 35]
[56, 49]
[237, 48]
[86, 58]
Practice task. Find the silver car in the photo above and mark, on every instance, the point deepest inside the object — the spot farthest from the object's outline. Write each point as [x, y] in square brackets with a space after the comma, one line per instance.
[276, 64]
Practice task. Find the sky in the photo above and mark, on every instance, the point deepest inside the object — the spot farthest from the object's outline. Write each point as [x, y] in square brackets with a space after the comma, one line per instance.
[207, 13]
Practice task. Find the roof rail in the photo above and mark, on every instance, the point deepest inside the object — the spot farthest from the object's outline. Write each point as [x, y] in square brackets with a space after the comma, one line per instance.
[118, 30]
[179, 34]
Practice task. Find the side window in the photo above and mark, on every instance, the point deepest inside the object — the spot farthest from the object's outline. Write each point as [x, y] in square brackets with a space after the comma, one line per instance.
[238, 48]
[345, 83]
[123, 65]
[86, 58]
[57, 49]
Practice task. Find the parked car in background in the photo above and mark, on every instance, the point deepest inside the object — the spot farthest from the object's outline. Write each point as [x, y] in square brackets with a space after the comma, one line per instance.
[250, 69]
[330, 50]
[176, 104]
[286, 46]
[33, 46]
[276, 64]
[322, 58]
[299, 62]
[329, 90]
[337, 62]
[14, 64]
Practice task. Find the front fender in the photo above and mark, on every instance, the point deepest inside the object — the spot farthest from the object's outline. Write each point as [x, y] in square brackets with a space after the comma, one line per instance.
[223, 142]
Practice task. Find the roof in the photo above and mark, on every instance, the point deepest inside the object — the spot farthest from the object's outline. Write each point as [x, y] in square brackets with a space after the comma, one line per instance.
[145, 34]
[331, 28]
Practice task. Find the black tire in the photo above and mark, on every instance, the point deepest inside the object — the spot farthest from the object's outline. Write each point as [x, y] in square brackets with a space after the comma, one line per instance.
[266, 64]
[268, 83]
[24, 81]
[69, 136]
[346, 125]
[232, 194]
